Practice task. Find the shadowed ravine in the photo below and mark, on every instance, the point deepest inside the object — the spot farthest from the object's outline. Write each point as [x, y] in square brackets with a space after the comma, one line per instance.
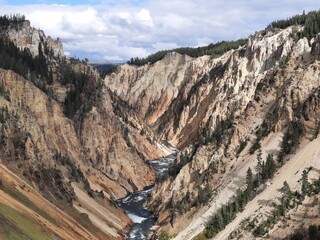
[143, 219]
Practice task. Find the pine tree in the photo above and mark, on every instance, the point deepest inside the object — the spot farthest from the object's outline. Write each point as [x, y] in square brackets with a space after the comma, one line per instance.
[249, 182]
[306, 186]
[270, 166]
[259, 168]
[286, 190]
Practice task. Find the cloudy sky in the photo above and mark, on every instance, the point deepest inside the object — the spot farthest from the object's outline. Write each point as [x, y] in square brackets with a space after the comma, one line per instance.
[116, 30]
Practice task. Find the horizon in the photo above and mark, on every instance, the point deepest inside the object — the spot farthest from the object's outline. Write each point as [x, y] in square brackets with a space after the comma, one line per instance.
[115, 31]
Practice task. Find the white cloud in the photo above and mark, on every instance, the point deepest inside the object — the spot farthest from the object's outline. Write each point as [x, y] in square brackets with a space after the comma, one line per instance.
[116, 30]
[83, 22]
[144, 17]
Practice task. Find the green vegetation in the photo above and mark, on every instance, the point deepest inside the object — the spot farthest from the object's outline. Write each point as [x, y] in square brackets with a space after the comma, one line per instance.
[17, 226]
[310, 21]
[255, 146]
[201, 236]
[78, 82]
[223, 128]
[306, 187]
[164, 236]
[243, 144]
[17, 195]
[105, 69]
[37, 69]
[23, 63]
[214, 49]
[204, 195]
[313, 233]
[75, 173]
[263, 131]
[288, 201]
[299, 19]
[291, 138]
[12, 20]
[227, 212]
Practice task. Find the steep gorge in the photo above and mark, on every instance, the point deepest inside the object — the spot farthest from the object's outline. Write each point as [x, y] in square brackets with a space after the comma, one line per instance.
[82, 162]
[78, 147]
[218, 111]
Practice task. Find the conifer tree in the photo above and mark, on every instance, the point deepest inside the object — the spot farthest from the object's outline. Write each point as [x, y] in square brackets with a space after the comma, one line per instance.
[259, 168]
[306, 186]
[249, 182]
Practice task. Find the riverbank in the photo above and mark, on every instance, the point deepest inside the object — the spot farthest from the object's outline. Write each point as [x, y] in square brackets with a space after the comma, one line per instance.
[143, 220]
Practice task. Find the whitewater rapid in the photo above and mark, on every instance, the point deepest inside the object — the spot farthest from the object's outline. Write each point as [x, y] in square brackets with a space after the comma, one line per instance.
[143, 219]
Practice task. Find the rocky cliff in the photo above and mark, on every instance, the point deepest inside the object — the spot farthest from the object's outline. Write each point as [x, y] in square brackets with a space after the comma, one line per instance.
[26, 36]
[72, 143]
[219, 111]
[71, 140]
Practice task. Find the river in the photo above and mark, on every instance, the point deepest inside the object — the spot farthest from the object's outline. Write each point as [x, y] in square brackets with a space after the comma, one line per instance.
[143, 219]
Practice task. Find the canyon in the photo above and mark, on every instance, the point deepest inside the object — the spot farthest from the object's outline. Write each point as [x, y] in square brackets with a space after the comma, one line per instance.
[69, 152]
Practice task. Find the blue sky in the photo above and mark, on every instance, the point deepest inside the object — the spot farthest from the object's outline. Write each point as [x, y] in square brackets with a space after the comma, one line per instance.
[116, 30]
[69, 2]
